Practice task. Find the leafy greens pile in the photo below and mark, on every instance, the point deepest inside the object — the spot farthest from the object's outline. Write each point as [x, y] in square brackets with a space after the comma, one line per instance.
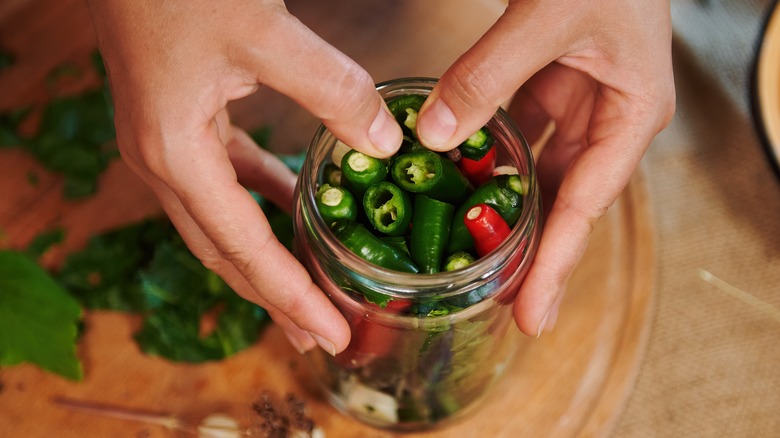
[189, 313]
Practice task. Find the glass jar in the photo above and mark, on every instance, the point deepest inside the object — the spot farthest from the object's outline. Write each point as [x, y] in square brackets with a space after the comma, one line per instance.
[431, 358]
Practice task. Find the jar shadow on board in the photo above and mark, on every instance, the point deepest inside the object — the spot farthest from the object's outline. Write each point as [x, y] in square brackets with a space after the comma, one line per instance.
[425, 348]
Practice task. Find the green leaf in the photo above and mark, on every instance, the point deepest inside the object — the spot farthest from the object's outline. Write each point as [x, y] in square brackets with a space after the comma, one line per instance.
[146, 268]
[182, 291]
[42, 242]
[38, 319]
[104, 275]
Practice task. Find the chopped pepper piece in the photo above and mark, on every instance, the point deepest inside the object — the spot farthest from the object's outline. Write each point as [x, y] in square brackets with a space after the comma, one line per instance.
[335, 203]
[430, 230]
[487, 228]
[358, 171]
[331, 175]
[503, 192]
[478, 145]
[398, 107]
[458, 260]
[371, 248]
[371, 339]
[479, 171]
[388, 208]
[426, 172]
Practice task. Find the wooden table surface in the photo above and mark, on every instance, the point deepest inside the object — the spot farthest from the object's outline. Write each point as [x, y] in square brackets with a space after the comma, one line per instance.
[572, 383]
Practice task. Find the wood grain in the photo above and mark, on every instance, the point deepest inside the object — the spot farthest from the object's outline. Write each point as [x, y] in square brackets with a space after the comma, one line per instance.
[767, 93]
[572, 382]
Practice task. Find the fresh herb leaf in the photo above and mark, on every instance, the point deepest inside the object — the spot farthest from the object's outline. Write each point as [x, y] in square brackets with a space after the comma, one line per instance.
[74, 138]
[44, 241]
[146, 268]
[104, 275]
[9, 125]
[38, 319]
[181, 291]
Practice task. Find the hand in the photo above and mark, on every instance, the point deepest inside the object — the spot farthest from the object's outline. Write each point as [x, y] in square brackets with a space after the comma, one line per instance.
[602, 71]
[173, 66]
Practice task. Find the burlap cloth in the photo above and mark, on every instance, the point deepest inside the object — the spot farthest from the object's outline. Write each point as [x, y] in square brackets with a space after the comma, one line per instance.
[712, 367]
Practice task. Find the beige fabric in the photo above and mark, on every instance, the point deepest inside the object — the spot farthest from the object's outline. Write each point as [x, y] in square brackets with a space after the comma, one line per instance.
[712, 368]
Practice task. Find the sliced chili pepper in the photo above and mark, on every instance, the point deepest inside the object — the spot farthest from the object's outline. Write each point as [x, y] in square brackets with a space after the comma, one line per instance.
[371, 248]
[399, 105]
[479, 171]
[430, 230]
[358, 171]
[410, 145]
[397, 241]
[477, 145]
[458, 260]
[335, 203]
[331, 175]
[487, 228]
[371, 339]
[388, 208]
[503, 192]
[428, 173]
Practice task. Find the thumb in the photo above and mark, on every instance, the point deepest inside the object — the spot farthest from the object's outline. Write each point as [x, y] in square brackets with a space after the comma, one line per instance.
[472, 89]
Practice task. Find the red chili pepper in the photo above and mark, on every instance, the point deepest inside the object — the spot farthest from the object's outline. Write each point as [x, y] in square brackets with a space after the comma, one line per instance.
[487, 228]
[370, 339]
[479, 171]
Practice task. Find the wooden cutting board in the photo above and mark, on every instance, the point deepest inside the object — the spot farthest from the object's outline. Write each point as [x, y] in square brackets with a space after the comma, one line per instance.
[572, 382]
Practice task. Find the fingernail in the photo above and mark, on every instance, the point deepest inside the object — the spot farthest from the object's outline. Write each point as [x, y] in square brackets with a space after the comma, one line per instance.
[302, 342]
[549, 320]
[325, 344]
[437, 124]
[384, 133]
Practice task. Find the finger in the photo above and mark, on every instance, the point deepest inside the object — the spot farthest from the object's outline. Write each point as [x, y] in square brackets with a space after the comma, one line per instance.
[326, 82]
[227, 230]
[472, 89]
[261, 170]
[565, 96]
[582, 199]
[201, 246]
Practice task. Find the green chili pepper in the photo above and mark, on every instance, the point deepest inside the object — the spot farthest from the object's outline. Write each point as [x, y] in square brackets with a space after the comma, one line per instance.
[426, 172]
[476, 146]
[331, 174]
[503, 192]
[371, 248]
[335, 203]
[458, 260]
[388, 208]
[399, 105]
[358, 171]
[399, 242]
[430, 230]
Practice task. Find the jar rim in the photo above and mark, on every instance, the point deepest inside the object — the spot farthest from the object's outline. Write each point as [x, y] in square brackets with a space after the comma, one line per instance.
[402, 284]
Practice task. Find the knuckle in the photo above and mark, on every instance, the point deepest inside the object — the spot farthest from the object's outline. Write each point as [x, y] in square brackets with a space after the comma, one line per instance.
[352, 85]
[250, 265]
[473, 86]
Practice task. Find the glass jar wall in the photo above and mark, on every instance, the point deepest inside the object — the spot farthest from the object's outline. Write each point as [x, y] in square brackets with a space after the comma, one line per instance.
[425, 348]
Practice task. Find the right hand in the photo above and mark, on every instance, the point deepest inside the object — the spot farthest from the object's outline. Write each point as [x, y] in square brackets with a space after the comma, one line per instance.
[173, 66]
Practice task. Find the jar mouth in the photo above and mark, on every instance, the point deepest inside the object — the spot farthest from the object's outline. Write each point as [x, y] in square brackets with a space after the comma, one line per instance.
[441, 284]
